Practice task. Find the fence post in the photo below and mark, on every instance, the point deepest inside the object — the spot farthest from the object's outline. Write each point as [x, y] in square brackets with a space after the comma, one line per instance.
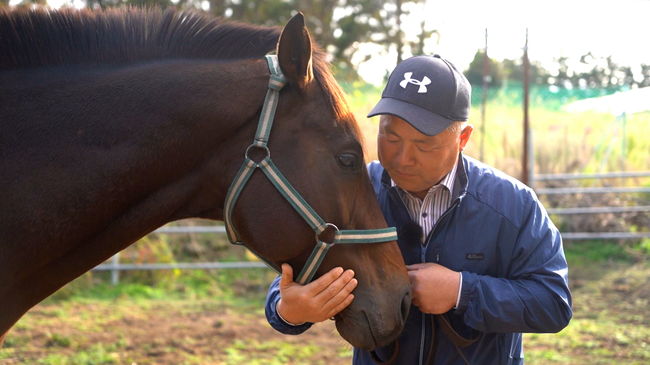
[115, 272]
[531, 159]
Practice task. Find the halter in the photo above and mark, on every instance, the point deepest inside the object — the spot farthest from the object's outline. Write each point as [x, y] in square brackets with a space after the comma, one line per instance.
[317, 224]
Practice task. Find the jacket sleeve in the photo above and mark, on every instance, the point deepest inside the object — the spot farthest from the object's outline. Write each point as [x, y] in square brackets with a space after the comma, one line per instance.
[535, 296]
[272, 316]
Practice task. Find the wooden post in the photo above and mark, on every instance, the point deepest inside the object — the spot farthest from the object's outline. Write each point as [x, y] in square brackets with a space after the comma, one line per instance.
[115, 272]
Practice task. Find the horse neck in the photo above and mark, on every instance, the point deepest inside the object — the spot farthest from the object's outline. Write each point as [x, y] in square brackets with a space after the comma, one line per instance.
[120, 151]
[136, 146]
[207, 113]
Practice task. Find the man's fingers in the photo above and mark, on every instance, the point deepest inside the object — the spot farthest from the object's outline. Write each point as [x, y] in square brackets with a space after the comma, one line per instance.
[416, 266]
[325, 280]
[336, 286]
[287, 276]
[341, 306]
[341, 295]
[412, 276]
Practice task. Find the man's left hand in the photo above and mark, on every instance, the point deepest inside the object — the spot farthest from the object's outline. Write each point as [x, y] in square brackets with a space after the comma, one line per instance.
[434, 288]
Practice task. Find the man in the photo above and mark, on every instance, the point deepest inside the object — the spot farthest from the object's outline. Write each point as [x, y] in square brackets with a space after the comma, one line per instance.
[484, 259]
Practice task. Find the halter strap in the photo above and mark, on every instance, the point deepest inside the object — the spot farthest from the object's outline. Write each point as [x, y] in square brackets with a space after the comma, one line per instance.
[270, 170]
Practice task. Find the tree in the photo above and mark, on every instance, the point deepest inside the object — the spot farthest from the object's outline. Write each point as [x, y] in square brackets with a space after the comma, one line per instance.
[475, 71]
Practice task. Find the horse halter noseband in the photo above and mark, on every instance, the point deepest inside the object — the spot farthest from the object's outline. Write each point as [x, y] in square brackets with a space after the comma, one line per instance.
[317, 224]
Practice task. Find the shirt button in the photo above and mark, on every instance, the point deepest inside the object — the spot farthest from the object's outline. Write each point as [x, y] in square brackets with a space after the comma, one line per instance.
[424, 215]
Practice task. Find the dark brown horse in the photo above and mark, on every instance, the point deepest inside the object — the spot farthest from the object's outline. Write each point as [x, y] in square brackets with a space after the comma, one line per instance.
[115, 123]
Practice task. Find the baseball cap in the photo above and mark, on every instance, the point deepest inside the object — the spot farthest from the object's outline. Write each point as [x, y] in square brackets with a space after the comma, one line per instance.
[426, 91]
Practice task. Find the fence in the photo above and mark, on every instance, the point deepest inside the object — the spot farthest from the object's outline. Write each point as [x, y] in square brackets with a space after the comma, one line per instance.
[114, 265]
[595, 210]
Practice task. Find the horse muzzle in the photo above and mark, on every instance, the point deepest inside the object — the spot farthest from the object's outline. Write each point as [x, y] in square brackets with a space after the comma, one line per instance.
[369, 324]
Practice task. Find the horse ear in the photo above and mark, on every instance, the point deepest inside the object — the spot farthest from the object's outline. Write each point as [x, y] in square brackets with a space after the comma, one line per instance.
[294, 52]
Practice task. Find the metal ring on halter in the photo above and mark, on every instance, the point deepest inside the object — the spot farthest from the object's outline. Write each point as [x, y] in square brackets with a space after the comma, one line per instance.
[265, 148]
[331, 225]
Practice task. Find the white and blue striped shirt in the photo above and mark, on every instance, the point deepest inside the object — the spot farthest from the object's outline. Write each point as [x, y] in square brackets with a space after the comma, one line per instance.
[427, 212]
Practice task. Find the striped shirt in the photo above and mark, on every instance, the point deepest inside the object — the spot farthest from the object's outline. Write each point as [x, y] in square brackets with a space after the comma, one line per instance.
[427, 212]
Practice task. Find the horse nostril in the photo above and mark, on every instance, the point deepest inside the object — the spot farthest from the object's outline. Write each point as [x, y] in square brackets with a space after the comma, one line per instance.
[406, 305]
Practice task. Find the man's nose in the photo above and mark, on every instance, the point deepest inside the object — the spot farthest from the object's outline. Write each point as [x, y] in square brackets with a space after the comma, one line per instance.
[404, 156]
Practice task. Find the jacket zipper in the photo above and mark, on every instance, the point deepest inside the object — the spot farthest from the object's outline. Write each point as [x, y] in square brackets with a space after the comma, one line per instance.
[423, 250]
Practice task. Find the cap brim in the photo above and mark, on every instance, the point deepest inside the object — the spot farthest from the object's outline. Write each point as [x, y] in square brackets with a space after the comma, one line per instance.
[421, 119]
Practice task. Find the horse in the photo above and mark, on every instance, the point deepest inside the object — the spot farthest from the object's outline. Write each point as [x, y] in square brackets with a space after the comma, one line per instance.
[114, 123]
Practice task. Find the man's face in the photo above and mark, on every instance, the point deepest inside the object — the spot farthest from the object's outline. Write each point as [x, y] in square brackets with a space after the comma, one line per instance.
[414, 160]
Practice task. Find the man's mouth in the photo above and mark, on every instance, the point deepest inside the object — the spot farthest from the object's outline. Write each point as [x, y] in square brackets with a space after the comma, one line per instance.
[405, 174]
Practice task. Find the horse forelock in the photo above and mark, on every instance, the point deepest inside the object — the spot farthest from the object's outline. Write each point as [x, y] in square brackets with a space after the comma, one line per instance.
[38, 37]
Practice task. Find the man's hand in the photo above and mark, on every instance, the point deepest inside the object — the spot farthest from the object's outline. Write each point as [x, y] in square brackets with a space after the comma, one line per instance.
[317, 301]
[434, 287]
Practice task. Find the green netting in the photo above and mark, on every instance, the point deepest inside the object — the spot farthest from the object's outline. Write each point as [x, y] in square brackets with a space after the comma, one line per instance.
[548, 97]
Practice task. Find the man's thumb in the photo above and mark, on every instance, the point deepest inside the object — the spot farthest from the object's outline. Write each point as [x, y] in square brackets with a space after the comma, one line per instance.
[287, 275]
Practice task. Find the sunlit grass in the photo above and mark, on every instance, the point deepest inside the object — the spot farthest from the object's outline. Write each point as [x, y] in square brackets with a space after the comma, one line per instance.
[562, 142]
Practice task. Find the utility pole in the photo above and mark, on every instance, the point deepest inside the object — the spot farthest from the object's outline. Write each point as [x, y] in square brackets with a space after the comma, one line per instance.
[525, 174]
[399, 41]
[486, 80]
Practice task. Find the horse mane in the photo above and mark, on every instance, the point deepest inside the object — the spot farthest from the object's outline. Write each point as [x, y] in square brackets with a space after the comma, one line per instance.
[41, 37]
[37, 37]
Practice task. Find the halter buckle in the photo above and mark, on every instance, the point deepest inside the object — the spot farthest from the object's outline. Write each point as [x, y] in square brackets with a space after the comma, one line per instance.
[328, 235]
[257, 156]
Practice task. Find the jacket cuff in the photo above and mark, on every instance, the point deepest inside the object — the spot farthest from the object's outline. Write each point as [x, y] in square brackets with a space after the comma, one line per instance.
[284, 320]
[467, 286]
[460, 288]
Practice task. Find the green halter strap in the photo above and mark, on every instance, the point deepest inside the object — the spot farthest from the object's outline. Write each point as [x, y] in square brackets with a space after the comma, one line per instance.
[317, 224]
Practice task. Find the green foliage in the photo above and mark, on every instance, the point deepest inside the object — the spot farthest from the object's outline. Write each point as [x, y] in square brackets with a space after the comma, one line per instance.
[643, 247]
[150, 249]
[595, 252]
[477, 69]
[610, 77]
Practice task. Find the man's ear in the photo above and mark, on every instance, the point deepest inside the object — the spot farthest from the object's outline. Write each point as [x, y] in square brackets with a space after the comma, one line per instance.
[294, 52]
[464, 135]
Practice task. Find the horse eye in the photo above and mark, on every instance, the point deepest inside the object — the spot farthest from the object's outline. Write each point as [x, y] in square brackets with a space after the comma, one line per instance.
[347, 160]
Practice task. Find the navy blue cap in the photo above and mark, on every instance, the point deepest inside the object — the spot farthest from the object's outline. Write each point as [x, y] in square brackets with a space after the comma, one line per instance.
[428, 92]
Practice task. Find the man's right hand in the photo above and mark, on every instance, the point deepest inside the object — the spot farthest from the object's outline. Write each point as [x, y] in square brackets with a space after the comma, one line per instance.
[317, 301]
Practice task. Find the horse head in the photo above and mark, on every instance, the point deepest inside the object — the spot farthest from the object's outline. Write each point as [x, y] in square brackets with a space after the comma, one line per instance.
[135, 118]
[316, 144]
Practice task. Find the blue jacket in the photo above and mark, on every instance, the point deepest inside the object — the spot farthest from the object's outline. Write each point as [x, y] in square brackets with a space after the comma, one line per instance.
[514, 273]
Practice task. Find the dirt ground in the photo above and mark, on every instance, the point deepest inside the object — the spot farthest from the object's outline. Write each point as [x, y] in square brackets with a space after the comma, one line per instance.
[164, 333]
[611, 324]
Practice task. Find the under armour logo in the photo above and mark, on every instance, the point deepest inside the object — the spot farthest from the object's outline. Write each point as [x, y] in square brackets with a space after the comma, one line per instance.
[408, 80]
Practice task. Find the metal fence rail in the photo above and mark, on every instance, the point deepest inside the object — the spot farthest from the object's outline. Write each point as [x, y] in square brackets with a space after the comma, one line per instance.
[599, 210]
[596, 210]
[604, 235]
[594, 190]
[182, 265]
[114, 265]
[608, 175]
[191, 229]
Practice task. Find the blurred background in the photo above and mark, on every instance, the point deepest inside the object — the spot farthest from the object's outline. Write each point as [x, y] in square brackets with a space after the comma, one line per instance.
[560, 100]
